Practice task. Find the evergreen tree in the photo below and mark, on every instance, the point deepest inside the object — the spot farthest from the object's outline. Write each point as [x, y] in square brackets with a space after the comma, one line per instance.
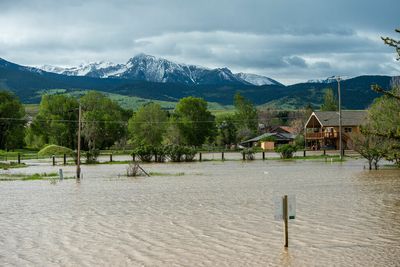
[330, 101]
[246, 117]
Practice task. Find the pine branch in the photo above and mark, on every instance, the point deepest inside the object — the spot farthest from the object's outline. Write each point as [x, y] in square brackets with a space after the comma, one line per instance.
[379, 89]
[393, 43]
[389, 135]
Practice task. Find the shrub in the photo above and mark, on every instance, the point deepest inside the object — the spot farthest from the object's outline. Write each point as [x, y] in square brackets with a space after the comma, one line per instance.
[92, 155]
[189, 153]
[248, 153]
[160, 154]
[144, 152]
[299, 141]
[54, 150]
[132, 169]
[175, 153]
[178, 153]
[286, 151]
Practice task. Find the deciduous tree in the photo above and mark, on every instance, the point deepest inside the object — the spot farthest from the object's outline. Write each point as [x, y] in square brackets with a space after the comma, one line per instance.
[56, 122]
[226, 130]
[148, 125]
[12, 121]
[195, 121]
[103, 121]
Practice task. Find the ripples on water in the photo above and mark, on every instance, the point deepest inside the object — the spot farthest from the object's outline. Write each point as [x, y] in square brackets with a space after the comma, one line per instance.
[218, 213]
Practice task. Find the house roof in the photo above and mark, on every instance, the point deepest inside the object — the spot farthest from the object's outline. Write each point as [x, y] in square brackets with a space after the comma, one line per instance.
[278, 136]
[279, 129]
[349, 117]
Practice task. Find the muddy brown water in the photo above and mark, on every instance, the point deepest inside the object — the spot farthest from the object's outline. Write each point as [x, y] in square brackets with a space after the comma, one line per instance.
[203, 214]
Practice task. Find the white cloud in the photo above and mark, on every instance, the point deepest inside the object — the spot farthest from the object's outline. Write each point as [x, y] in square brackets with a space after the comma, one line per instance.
[287, 40]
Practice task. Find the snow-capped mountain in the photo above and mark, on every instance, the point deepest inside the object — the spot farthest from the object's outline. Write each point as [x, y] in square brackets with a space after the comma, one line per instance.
[257, 79]
[327, 80]
[153, 69]
[97, 69]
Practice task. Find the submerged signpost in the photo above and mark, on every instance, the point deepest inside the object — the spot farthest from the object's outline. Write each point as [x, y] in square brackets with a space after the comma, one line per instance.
[285, 209]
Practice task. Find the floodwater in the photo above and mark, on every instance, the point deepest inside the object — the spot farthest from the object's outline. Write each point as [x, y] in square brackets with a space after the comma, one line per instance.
[203, 214]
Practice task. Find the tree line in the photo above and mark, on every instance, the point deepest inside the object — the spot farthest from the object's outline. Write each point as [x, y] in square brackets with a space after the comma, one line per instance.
[106, 124]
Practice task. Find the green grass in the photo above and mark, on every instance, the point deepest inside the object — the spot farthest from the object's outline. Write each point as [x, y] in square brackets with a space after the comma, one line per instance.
[11, 165]
[128, 102]
[166, 174]
[114, 162]
[15, 152]
[28, 177]
[316, 157]
[54, 150]
[53, 176]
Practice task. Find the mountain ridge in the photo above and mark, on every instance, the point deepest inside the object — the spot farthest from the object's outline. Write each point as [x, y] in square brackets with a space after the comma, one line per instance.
[29, 83]
[153, 69]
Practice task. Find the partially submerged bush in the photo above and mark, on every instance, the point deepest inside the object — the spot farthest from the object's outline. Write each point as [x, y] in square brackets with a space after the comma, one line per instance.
[132, 169]
[174, 153]
[248, 153]
[160, 154]
[178, 153]
[92, 155]
[286, 151]
[50, 150]
[144, 152]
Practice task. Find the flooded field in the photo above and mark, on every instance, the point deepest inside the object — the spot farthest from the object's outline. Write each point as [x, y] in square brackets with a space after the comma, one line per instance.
[211, 213]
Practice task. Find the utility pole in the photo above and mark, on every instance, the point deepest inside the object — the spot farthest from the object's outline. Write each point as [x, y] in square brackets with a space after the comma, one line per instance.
[340, 120]
[78, 165]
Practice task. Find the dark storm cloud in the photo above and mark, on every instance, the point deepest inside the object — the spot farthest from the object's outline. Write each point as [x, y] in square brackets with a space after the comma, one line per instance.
[287, 40]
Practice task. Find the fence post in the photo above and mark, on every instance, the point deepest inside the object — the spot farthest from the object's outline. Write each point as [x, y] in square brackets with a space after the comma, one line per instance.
[111, 158]
[263, 155]
[343, 152]
[243, 154]
[223, 156]
[304, 153]
[133, 157]
[200, 159]
[285, 219]
[19, 158]
[65, 159]
[54, 160]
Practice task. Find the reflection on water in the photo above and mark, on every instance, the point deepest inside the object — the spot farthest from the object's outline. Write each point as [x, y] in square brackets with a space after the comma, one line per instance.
[217, 213]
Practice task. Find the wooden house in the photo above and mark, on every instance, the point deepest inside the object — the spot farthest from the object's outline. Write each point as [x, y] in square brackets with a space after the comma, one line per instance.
[275, 138]
[322, 128]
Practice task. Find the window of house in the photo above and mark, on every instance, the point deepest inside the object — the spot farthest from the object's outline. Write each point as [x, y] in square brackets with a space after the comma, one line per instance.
[348, 129]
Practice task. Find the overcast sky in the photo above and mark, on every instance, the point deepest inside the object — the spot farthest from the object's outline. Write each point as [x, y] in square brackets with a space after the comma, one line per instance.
[287, 40]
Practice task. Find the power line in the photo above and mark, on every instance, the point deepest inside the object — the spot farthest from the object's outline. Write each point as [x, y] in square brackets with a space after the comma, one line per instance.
[149, 122]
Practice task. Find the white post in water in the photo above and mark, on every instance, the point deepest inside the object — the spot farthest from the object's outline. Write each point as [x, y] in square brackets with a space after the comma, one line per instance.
[60, 172]
[285, 209]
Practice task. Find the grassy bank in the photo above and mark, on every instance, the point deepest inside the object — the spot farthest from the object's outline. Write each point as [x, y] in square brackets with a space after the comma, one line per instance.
[31, 177]
[11, 165]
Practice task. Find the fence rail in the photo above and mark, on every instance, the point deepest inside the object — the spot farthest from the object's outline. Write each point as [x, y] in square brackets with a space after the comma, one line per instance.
[200, 156]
